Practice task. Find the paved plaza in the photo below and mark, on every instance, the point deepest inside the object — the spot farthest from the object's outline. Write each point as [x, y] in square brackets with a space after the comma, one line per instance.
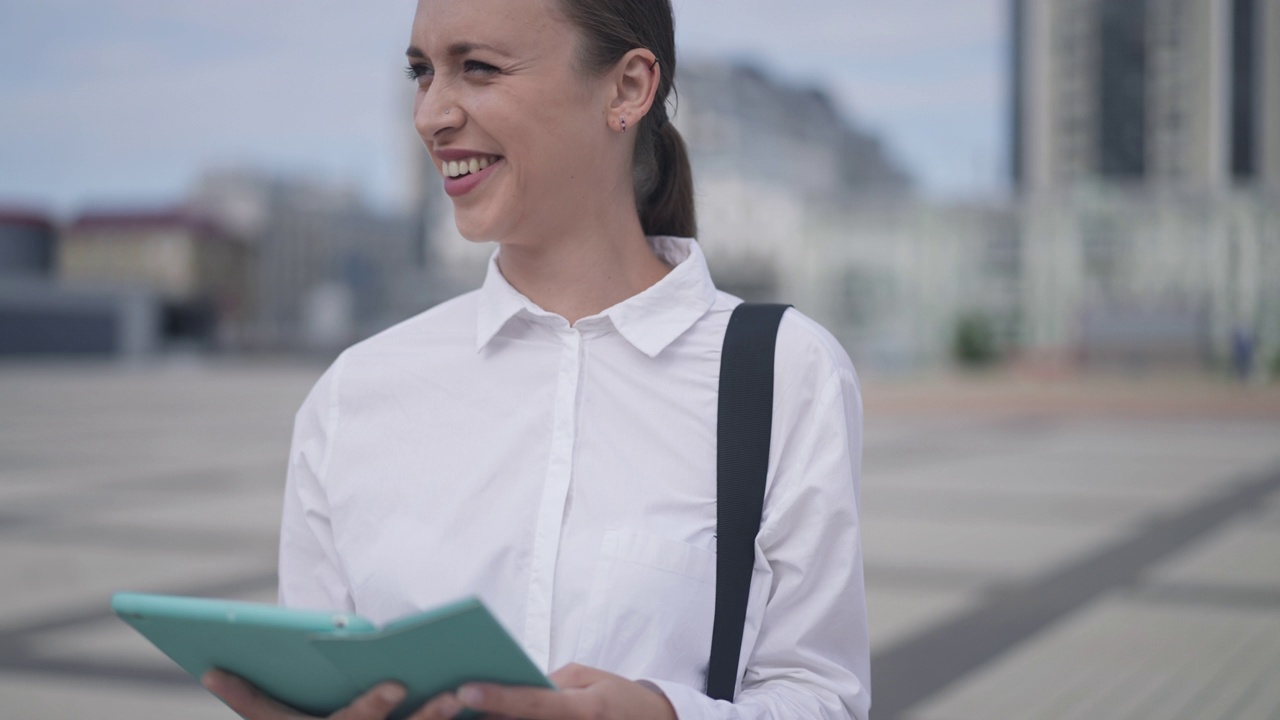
[1101, 549]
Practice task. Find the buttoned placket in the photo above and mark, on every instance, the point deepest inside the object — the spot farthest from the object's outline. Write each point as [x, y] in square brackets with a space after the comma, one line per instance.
[555, 493]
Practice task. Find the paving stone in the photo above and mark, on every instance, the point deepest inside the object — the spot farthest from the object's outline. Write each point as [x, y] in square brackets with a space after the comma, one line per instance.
[33, 697]
[109, 640]
[169, 477]
[1120, 658]
[1002, 552]
[895, 613]
[249, 511]
[1100, 507]
[44, 579]
[1244, 554]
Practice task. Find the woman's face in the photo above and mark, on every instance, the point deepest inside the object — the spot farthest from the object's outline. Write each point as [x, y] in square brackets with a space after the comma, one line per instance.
[500, 95]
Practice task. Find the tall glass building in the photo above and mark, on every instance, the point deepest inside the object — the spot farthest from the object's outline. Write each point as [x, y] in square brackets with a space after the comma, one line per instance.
[1172, 92]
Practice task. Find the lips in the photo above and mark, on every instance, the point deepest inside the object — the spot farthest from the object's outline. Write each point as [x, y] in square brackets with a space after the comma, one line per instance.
[463, 184]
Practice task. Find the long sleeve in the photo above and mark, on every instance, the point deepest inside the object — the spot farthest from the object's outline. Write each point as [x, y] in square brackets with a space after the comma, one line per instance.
[311, 575]
[566, 475]
[807, 649]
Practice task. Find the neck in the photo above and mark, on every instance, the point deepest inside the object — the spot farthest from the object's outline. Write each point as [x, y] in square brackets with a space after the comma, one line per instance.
[582, 272]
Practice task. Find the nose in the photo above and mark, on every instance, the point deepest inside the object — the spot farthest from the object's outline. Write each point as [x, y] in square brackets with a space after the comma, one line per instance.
[435, 111]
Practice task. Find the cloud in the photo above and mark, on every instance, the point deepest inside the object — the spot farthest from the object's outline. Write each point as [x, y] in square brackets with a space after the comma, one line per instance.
[164, 89]
[839, 28]
[111, 94]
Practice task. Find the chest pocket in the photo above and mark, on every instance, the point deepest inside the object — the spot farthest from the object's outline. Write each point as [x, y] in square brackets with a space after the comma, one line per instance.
[651, 608]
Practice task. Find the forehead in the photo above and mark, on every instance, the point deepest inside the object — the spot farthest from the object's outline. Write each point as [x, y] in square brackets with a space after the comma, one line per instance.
[513, 24]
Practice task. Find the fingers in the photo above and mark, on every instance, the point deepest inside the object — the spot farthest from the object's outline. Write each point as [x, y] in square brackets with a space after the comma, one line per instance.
[574, 675]
[251, 704]
[373, 705]
[538, 703]
[244, 698]
[523, 702]
[441, 707]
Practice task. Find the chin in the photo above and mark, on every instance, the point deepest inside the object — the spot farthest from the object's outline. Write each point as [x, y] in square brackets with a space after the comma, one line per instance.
[472, 237]
[473, 229]
[488, 222]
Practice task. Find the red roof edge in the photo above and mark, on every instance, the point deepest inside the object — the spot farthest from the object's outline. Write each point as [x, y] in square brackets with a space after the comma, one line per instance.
[25, 216]
[178, 217]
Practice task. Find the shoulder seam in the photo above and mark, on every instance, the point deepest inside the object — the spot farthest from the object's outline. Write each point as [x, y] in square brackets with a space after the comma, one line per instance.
[835, 367]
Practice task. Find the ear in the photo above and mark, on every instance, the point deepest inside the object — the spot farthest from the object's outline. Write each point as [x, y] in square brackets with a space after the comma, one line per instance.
[635, 83]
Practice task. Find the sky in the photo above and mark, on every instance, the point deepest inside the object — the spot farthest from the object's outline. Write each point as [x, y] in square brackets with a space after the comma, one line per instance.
[125, 102]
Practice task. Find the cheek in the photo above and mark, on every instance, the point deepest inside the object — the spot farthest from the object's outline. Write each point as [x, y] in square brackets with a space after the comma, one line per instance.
[567, 141]
[557, 113]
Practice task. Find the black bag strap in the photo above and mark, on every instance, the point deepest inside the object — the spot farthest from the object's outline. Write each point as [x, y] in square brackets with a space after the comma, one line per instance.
[742, 462]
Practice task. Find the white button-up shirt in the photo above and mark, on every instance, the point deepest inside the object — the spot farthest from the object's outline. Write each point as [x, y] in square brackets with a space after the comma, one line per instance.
[566, 475]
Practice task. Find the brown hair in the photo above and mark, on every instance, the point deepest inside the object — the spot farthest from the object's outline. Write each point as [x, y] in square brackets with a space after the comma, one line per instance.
[663, 179]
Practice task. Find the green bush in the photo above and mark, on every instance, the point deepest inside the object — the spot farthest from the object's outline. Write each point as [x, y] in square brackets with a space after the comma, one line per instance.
[974, 343]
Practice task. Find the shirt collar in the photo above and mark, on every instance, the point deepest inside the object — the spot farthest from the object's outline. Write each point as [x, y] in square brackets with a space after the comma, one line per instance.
[650, 320]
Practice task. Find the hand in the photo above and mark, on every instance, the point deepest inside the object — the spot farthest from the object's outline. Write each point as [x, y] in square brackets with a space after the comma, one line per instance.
[253, 705]
[585, 694]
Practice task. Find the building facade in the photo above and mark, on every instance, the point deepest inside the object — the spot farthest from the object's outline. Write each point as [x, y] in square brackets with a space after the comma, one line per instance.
[198, 269]
[1181, 93]
[39, 315]
[28, 244]
[1146, 135]
[327, 270]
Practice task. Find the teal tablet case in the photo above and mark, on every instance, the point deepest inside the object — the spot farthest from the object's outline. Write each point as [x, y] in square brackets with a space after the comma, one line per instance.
[319, 662]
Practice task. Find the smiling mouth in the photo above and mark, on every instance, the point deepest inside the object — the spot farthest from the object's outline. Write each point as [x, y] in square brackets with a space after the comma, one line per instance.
[459, 168]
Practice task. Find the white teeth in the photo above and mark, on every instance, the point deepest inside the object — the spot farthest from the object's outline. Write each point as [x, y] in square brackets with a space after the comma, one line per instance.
[458, 168]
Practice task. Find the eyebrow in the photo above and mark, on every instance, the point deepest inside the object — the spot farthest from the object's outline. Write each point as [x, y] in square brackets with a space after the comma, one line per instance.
[457, 49]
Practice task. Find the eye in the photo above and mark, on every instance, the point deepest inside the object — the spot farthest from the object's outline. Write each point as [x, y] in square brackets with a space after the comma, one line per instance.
[480, 68]
[417, 71]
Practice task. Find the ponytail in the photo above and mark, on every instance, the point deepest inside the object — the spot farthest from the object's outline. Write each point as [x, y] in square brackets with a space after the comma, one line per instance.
[660, 169]
[665, 199]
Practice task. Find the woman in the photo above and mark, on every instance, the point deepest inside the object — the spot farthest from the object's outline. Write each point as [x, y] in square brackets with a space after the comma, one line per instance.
[548, 442]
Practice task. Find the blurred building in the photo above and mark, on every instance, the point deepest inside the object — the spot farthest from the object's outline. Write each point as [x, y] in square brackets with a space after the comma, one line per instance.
[797, 203]
[327, 269]
[28, 242]
[40, 316]
[1173, 92]
[198, 269]
[1132, 278]
[769, 157]
[893, 280]
[1146, 156]
[737, 121]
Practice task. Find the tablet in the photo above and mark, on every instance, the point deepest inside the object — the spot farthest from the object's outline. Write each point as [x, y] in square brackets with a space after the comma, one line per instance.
[319, 662]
